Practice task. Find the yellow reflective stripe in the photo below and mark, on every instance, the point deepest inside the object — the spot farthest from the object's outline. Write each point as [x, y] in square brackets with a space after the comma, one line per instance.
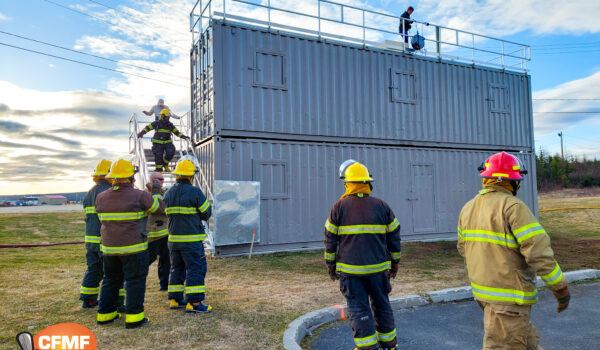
[528, 231]
[392, 226]
[459, 231]
[329, 256]
[121, 292]
[156, 234]
[154, 206]
[194, 289]
[107, 317]
[89, 290]
[204, 206]
[386, 336]
[366, 341]
[396, 255]
[164, 130]
[121, 216]
[331, 227]
[124, 250]
[490, 237]
[90, 210]
[132, 318]
[358, 229]
[175, 130]
[180, 210]
[174, 288]
[516, 167]
[553, 277]
[362, 269]
[159, 196]
[499, 175]
[187, 238]
[161, 141]
[92, 239]
[483, 191]
[149, 127]
[502, 294]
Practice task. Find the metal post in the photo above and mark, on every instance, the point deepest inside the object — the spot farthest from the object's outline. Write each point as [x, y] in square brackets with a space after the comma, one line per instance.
[502, 57]
[319, 15]
[562, 152]
[364, 43]
[438, 44]
[224, 11]
[473, 48]
[342, 13]
[269, 12]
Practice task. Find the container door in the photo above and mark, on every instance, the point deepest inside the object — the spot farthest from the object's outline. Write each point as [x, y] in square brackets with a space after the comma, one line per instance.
[423, 199]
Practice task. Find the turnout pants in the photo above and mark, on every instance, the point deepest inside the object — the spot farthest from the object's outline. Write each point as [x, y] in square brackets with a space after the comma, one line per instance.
[508, 327]
[163, 153]
[90, 286]
[132, 269]
[187, 266]
[372, 323]
[159, 248]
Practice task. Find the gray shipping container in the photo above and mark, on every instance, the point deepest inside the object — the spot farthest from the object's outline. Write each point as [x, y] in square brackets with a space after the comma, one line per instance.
[425, 187]
[251, 82]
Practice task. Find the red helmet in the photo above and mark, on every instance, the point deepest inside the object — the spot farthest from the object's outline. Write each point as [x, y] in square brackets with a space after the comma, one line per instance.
[503, 166]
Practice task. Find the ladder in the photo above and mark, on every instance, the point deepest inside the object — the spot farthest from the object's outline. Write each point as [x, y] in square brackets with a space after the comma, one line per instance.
[143, 158]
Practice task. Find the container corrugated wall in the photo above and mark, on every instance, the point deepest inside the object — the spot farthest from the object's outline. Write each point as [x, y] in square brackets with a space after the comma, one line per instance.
[426, 188]
[279, 86]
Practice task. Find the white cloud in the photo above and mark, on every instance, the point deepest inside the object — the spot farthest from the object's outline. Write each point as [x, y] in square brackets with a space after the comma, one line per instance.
[4, 17]
[108, 46]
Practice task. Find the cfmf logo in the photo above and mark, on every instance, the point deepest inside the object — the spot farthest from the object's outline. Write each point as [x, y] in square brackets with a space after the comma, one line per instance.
[63, 336]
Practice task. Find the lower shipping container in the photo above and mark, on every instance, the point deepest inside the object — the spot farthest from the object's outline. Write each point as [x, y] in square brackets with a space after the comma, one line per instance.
[425, 187]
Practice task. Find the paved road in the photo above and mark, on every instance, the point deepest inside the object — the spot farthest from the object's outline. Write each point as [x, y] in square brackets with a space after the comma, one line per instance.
[460, 325]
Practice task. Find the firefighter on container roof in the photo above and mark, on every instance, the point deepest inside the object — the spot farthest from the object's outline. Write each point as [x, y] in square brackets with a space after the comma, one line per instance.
[123, 244]
[186, 207]
[362, 249]
[162, 144]
[504, 247]
[90, 286]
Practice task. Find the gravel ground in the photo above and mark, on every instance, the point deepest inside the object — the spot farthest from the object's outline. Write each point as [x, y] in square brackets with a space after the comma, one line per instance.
[35, 209]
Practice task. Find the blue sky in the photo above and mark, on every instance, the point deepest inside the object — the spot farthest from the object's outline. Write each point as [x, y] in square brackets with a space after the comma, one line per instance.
[65, 116]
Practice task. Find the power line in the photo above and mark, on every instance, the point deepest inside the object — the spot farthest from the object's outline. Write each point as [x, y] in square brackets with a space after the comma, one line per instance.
[568, 44]
[576, 112]
[89, 54]
[101, 4]
[89, 64]
[566, 99]
[560, 52]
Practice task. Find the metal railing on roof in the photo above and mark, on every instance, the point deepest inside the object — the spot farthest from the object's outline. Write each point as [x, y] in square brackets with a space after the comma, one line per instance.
[364, 27]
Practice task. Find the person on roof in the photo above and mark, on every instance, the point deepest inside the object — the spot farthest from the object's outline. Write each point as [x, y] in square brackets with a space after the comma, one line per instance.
[162, 144]
[158, 108]
[405, 23]
[505, 247]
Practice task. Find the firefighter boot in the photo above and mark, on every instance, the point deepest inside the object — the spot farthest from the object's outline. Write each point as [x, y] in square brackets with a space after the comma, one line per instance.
[166, 165]
[177, 304]
[89, 304]
[145, 321]
[198, 307]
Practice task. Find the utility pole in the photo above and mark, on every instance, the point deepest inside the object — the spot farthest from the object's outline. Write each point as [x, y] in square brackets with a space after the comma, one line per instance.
[562, 152]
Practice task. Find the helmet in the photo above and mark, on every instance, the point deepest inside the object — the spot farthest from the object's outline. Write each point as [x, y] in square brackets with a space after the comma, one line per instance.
[353, 171]
[503, 166]
[102, 168]
[165, 113]
[185, 167]
[121, 169]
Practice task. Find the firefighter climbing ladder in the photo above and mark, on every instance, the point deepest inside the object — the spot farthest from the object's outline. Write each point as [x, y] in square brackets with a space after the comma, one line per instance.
[141, 149]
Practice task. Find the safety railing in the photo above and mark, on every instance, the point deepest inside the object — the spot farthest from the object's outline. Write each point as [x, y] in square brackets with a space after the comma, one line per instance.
[333, 20]
[136, 148]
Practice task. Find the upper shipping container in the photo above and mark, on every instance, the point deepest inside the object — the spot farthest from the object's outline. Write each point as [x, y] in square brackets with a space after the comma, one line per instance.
[251, 82]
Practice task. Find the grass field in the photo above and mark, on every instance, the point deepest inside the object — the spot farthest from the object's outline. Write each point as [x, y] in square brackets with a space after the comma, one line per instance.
[253, 300]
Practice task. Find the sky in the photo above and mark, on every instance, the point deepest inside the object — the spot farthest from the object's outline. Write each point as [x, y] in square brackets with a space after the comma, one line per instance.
[58, 117]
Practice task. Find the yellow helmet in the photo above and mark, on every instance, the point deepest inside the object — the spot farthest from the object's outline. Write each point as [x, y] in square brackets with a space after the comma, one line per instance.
[102, 168]
[355, 172]
[165, 113]
[121, 169]
[185, 167]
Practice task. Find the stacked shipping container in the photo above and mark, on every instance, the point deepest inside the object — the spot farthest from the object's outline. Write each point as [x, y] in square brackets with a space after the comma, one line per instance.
[286, 110]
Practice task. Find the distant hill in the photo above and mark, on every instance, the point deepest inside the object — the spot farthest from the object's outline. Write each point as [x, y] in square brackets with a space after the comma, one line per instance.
[72, 197]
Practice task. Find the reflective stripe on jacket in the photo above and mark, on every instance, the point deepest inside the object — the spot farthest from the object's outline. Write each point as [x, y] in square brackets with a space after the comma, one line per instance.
[362, 236]
[92, 223]
[121, 211]
[504, 247]
[186, 207]
[162, 131]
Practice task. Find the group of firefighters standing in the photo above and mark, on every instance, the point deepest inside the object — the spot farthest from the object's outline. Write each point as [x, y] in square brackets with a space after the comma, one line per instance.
[503, 245]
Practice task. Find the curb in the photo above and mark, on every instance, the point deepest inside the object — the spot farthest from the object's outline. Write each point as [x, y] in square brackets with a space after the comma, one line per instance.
[305, 324]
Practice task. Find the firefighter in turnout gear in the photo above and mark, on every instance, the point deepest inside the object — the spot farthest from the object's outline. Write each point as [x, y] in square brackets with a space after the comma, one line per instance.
[186, 206]
[157, 238]
[90, 286]
[123, 243]
[362, 249]
[162, 144]
[505, 247]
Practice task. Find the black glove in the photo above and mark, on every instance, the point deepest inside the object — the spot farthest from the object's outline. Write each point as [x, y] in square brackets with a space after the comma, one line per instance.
[332, 274]
[185, 137]
[562, 297]
[140, 134]
[394, 270]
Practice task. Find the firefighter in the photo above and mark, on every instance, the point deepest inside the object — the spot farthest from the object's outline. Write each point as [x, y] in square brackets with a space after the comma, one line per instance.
[157, 237]
[123, 244]
[186, 206]
[162, 144]
[90, 286]
[362, 250]
[505, 247]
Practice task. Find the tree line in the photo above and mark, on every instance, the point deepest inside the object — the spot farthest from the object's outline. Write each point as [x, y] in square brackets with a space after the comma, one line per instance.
[554, 172]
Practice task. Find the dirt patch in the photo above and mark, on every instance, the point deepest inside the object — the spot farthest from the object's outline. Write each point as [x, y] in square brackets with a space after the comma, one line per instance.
[570, 192]
[577, 253]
